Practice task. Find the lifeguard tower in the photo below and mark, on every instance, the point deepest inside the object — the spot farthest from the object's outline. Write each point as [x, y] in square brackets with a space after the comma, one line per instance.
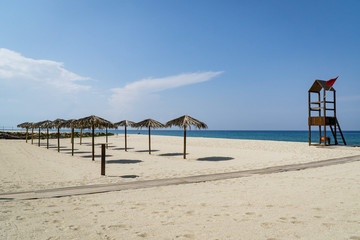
[322, 113]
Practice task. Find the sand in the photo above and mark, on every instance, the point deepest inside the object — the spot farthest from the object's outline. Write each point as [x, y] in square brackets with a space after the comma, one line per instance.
[319, 203]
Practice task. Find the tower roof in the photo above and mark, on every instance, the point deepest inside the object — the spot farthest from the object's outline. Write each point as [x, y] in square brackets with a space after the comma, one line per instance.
[318, 85]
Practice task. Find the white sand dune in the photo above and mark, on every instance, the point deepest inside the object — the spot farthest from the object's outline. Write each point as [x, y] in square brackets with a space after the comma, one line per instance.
[321, 203]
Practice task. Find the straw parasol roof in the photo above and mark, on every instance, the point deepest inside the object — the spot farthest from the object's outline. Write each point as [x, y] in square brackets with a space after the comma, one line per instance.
[125, 123]
[68, 123]
[94, 122]
[149, 123]
[185, 122]
[25, 125]
[58, 122]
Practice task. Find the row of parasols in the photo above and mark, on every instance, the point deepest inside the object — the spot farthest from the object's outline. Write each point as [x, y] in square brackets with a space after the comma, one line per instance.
[93, 122]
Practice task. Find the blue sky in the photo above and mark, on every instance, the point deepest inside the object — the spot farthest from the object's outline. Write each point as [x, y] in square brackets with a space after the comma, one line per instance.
[243, 65]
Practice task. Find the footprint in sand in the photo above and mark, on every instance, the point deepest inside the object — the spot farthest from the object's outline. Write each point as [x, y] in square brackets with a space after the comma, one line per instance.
[74, 227]
[355, 238]
[250, 213]
[328, 225]
[267, 224]
[190, 213]
[190, 236]
[143, 235]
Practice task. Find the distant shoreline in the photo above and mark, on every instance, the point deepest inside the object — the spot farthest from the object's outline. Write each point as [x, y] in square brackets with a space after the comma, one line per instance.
[352, 137]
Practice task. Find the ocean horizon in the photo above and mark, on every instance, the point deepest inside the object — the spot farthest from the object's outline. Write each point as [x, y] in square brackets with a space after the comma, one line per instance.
[351, 137]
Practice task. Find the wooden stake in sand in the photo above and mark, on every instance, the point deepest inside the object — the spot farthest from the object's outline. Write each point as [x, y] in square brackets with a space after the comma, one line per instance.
[103, 154]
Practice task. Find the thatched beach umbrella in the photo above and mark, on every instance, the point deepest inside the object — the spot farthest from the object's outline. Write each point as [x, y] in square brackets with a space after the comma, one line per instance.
[38, 125]
[25, 125]
[149, 123]
[93, 122]
[125, 123]
[184, 122]
[46, 124]
[57, 123]
[72, 123]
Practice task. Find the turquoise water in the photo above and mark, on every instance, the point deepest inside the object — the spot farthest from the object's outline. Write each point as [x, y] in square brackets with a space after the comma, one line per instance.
[351, 137]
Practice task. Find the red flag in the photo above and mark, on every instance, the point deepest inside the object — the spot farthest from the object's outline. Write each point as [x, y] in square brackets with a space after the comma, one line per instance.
[331, 81]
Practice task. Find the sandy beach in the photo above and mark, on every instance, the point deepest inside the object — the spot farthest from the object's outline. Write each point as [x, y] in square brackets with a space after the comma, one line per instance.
[319, 203]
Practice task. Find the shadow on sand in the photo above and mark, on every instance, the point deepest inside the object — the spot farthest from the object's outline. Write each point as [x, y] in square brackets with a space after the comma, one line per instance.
[124, 161]
[126, 176]
[96, 156]
[172, 154]
[147, 151]
[215, 159]
[121, 148]
[78, 152]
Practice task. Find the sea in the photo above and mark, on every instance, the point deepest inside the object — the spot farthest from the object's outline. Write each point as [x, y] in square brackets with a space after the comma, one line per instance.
[351, 137]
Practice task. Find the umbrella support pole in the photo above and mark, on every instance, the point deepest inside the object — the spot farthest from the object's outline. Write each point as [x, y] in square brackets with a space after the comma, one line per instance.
[58, 135]
[47, 138]
[185, 143]
[106, 139]
[125, 140]
[27, 134]
[93, 147]
[149, 142]
[32, 135]
[80, 136]
[39, 137]
[72, 141]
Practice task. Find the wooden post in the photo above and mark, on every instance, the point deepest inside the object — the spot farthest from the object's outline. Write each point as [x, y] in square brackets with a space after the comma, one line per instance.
[324, 91]
[71, 135]
[80, 136]
[27, 130]
[39, 137]
[149, 142]
[32, 135]
[72, 141]
[93, 147]
[58, 135]
[185, 142]
[319, 99]
[47, 136]
[103, 159]
[309, 99]
[335, 137]
[125, 140]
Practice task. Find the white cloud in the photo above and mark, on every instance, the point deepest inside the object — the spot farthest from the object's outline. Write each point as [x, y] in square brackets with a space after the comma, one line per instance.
[142, 91]
[14, 66]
